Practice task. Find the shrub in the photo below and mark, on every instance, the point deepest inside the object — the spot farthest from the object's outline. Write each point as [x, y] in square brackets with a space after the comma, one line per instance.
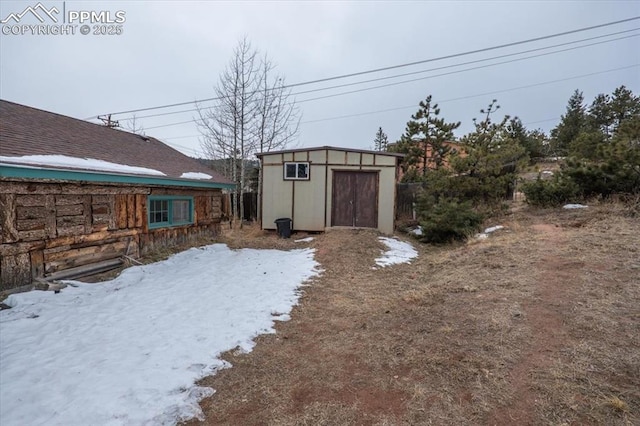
[549, 193]
[447, 220]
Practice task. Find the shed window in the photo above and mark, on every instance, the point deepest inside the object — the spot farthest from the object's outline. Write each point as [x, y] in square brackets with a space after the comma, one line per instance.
[170, 211]
[296, 171]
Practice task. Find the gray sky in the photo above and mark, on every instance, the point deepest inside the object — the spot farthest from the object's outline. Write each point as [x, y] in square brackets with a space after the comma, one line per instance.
[172, 51]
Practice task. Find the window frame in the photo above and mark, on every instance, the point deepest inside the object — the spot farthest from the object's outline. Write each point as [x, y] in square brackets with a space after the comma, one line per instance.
[296, 163]
[170, 200]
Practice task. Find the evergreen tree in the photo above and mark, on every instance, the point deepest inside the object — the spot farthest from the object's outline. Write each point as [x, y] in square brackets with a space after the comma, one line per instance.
[381, 141]
[494, 156]
[623, 106]
[424, 141]
[600, 116]
[571, 124]
[604, 156]
[534, 142]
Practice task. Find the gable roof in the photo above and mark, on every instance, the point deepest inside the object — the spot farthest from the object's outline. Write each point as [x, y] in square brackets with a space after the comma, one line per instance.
[32, 137]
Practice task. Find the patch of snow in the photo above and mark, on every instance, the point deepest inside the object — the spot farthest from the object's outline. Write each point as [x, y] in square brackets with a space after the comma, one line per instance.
[130, 350]
[547, 172]
[485, 234]
[493, 229]
[304, 240]
[417, 231]
[399, 252]
[79, 163]
[574, 206]
[195, 175]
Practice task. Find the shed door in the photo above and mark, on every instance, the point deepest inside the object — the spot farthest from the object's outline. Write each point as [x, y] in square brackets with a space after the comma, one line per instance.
[355, 199]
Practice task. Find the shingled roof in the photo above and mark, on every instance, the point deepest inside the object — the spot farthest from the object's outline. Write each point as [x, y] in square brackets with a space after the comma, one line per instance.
[27, 131]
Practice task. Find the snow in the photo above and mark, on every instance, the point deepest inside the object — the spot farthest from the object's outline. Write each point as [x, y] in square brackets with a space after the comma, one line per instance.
[80, 163]
[399, 252]
[304, 240]
[129, 351]
[574, 206]
[417, 231]
[195, 175]
[485, 234]
[493, 229]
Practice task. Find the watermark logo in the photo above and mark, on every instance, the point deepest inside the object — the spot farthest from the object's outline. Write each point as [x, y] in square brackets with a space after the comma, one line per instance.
[41, 20]
[33, 10]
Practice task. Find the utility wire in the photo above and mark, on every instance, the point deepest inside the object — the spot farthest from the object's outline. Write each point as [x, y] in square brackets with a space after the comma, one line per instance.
[473, 96]
[411, 73]
[429, 77]
[460, 71]
[453, 99]
[456, 55]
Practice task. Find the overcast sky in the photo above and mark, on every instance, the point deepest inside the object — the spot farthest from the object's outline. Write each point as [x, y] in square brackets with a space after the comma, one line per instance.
[172, 52]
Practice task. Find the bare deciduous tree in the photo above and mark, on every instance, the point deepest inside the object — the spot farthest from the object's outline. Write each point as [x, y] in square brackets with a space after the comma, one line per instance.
[253, 114]
[277, 119]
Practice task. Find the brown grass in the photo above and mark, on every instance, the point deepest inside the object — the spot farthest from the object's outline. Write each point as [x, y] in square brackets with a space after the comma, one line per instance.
[539, 324]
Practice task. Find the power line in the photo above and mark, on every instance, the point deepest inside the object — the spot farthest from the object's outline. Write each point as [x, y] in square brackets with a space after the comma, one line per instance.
[456, 55]
[434, 76]
[472, 96]
[454, 99]
[471, 52]
[428, 77]
[418, 72]
[461, 71]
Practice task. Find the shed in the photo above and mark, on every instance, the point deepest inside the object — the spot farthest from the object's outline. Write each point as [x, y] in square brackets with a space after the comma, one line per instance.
[77, 197]
[324, 187]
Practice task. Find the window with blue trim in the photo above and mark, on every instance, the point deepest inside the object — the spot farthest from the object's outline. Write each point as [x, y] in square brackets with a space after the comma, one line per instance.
[169, 211]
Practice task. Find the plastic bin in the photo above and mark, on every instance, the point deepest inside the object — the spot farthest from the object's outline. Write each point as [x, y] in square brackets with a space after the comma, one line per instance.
[283, 226]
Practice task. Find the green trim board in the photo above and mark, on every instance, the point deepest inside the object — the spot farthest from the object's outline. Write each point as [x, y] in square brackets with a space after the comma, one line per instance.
[26, 172]
[163, 211]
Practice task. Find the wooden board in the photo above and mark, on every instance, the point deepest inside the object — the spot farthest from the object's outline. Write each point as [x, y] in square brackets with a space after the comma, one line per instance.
[354, 199]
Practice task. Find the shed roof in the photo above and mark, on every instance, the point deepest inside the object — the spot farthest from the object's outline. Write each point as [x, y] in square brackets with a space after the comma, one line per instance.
[332, 148]
[33, 137]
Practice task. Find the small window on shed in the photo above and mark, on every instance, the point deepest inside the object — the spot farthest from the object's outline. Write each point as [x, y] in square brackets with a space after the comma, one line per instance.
[296, 171]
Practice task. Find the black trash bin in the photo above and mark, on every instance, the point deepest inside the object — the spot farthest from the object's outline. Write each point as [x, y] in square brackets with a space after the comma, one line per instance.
[284, 227]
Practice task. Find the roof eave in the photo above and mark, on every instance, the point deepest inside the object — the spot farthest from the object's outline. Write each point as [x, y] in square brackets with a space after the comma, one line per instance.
[331, 148]
[30, 172]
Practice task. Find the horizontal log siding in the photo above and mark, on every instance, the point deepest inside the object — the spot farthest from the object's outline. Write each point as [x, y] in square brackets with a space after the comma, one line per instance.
[48, 227]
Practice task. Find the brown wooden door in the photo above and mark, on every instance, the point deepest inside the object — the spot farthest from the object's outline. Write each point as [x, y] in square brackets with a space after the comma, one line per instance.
[355, 199]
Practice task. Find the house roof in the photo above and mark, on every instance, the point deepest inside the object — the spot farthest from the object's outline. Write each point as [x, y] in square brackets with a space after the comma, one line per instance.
[42, 140]
[332, 148]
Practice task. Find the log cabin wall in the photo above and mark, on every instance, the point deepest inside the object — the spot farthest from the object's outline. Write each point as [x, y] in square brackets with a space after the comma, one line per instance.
[57, 229]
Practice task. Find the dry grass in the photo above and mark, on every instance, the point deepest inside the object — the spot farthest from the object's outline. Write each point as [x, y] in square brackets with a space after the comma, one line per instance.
[540, 324]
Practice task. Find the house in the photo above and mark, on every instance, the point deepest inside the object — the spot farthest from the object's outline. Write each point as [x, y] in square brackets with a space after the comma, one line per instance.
[77, 198]
[319, 188]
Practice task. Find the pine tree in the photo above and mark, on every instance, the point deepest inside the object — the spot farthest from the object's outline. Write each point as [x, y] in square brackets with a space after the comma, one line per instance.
[571, 124]
[533, 141]
[623, 106]
[424, 140]
[493, 158]
[381, 140]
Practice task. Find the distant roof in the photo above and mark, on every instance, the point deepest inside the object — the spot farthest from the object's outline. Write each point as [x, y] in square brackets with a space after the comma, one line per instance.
[333, 148]
[35, 138]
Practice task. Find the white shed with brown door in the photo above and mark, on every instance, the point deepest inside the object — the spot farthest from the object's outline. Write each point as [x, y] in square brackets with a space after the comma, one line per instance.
[319, 188]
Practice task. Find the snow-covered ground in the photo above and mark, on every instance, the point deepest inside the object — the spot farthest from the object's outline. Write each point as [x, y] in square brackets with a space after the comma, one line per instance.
[398, 252]
[128, 351]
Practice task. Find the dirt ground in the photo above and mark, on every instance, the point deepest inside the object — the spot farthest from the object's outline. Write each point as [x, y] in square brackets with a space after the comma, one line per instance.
[537, 325]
